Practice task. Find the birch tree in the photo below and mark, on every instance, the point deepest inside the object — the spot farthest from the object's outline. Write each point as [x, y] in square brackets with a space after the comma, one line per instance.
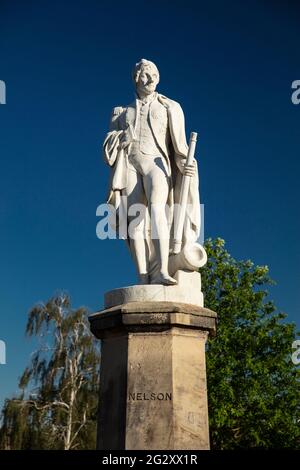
[58, 400]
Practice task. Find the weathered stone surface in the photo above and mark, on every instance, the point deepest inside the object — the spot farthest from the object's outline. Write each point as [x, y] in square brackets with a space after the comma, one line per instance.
[188, 290]
[153, 315]
[153, 379]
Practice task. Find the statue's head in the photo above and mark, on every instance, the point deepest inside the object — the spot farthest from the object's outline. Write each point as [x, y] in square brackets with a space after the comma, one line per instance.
[145, 77]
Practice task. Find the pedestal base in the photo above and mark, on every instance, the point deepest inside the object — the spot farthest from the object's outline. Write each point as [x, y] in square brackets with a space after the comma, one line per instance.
[188, 290]
[153, 379]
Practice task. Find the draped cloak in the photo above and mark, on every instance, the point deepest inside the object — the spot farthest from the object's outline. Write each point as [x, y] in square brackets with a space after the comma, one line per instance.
[164, 115]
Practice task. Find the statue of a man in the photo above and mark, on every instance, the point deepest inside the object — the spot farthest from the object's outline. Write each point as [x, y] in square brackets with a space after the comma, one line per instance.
[147, 150]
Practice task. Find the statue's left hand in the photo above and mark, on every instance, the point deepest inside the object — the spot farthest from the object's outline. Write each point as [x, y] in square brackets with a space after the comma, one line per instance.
[187, 170]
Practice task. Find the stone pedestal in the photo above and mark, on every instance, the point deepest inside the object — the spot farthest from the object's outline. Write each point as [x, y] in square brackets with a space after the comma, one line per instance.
[188, 291]
[153, 380]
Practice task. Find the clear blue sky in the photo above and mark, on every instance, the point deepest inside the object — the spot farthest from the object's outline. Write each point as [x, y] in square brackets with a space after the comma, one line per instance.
[66, 64]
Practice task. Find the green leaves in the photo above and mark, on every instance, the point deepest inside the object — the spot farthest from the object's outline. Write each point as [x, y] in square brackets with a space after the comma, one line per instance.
[59, 389]
[253, 385]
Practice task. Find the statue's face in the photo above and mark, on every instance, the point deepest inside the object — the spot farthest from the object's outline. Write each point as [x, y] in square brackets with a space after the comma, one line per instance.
[147, 81]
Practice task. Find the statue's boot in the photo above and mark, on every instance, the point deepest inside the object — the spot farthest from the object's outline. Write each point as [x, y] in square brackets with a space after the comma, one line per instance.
[164, 279]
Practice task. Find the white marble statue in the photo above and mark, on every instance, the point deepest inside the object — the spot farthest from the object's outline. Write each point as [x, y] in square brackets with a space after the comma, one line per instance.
[146, 148]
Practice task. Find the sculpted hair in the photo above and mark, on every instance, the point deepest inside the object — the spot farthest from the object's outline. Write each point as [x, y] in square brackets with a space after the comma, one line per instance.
[143, 63]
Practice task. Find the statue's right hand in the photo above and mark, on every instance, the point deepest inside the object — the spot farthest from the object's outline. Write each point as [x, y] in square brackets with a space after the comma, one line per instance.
[125, 139]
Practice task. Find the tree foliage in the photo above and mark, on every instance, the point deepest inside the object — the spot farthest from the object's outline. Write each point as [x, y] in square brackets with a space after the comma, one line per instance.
[58, 401]
[253, 385]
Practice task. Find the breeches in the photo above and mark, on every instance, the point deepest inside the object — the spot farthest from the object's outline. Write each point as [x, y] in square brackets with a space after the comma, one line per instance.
[148, 184]
[148, 180]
